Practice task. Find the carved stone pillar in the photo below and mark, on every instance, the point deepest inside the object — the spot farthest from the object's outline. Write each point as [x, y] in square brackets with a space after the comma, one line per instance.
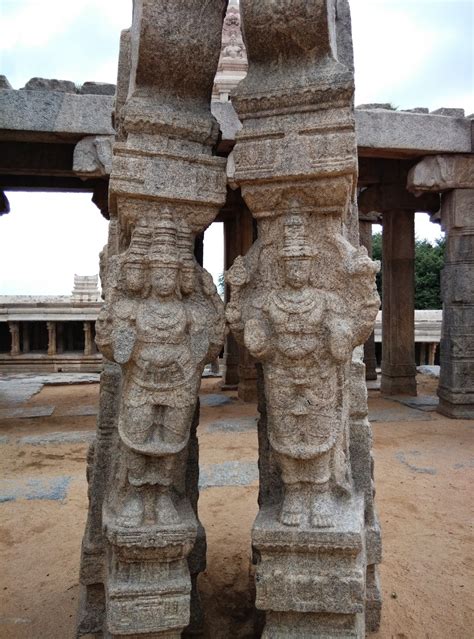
[14, 329]
[26, 337]
[162, 320]
[302, 299]
[432, 353]
[52, 349]
[398, 208]
[370, 360]
[443, 173]
[87, 339]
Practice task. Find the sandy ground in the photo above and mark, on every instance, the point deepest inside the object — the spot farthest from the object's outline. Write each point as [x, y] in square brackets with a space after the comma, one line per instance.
[424, 472]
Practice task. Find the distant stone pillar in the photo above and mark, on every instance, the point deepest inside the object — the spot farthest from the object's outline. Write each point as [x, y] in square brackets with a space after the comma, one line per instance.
[87, 339]
[14, 328]
[432, 354]
[370, 359]
[398, 207]
[247, 389]
[453, 175]
[26, 337]
[423, 354]
[231, 348]
[398, 304]
[52, 346]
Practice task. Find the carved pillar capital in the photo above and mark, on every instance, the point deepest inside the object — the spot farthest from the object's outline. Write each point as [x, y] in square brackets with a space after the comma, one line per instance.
[380, 198]
[437, 173]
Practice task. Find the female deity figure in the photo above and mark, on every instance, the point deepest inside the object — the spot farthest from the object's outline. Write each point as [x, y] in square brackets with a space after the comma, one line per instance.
[300, 334]
[162, 340]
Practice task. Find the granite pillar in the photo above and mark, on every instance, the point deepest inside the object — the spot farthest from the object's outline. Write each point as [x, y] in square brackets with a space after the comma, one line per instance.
[26, 337]
[453, 176]
[14, 329]
[162, 320]
[370, 360]
[398, 304]
[88, 344]
[52, 347]
[302, 298]
[397, 206]
[231, 348]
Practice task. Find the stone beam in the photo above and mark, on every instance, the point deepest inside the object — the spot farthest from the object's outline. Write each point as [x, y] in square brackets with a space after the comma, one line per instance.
[395, 197]
[442, 173]
[48, 116]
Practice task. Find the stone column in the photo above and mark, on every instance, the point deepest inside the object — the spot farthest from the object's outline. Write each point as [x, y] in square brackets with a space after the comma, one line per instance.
[432, 354]
[398, 304]
[87, 339]
[370, 360]
[302, 299]
[26, 337]
[52, 347]
[231, 252]
[14, 328]
[162, 320]
[398, 208]
[453, 175]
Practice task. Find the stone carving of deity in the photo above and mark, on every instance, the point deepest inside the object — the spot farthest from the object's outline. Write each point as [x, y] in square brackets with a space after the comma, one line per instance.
[162, 324]
[304, 335]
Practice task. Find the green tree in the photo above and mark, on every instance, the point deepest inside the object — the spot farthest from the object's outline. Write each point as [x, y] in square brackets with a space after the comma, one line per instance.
[429, 260]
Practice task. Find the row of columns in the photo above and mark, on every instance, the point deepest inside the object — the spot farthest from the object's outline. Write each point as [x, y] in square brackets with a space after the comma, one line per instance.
[15, 350]
[394, 200]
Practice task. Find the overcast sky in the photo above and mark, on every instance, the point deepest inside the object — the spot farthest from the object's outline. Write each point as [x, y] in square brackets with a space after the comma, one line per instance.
[408, 52]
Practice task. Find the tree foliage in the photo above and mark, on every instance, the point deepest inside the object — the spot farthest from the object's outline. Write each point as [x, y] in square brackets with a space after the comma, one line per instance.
[429, 260]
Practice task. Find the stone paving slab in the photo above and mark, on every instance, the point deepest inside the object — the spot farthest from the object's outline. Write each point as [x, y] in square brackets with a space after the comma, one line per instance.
[399, 414]
[215, 400]
[427, 403]
[23, 412]
[230, 473]
[81, 411]
[410, 459]
[432, 371]
[18, 391]
[48, 488]
[71, 437]
[239, 425]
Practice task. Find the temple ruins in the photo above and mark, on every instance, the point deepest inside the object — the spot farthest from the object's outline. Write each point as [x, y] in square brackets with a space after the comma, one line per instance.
[273, 147]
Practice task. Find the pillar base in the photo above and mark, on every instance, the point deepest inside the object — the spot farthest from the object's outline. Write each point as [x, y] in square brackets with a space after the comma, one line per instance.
[456, 406]
[312, 581]
[149, 589]
[398, 385]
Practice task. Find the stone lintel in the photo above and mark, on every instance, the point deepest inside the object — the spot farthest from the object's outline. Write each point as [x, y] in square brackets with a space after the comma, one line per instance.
[382, 198]
[442, 173]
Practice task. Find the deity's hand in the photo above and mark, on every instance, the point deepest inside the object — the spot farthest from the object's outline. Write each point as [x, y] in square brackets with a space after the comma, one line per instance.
[124, 342]
[256, 338]
[237, 275]
[340, 340]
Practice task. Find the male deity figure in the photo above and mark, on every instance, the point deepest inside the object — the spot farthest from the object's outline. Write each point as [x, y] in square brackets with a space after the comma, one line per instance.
[303, 332]
[162, 324]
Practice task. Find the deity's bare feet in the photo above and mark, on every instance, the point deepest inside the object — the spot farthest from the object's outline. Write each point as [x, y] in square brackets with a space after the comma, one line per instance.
[291, 512]
[166, 512]
[322, 511]
[131, 515]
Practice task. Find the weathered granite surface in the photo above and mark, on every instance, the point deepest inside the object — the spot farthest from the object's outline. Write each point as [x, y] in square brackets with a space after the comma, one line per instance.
[93, 156]
[302, 299]
[162, 322]
[442, 173]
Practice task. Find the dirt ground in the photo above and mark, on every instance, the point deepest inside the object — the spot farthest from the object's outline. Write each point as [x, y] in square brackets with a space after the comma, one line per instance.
[424, 473]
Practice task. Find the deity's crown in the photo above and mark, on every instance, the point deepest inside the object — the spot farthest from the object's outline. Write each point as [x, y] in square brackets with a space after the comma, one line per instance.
[295, 238]
[164, 248]
[139, 244]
